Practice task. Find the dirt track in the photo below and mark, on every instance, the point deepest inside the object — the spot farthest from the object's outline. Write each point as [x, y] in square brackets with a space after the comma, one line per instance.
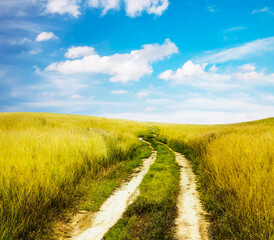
[95, 226]
[190, 223]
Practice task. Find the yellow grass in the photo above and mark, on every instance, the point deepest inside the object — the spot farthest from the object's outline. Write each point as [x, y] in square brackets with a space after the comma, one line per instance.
[43, 157]
[235, 168]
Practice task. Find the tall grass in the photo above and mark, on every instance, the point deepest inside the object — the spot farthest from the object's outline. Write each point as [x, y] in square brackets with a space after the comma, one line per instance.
[44, 156]
[235, 168]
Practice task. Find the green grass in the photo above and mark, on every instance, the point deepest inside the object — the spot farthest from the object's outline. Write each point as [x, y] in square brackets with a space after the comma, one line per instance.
[152, 215]
[53, 163]
[45, 157]
[90, 193]
[100, 189]
[234, 164]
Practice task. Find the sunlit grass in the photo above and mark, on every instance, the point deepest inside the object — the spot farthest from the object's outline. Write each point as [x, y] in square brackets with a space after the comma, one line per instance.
[235, 168]
[152, 215]
[44, 156]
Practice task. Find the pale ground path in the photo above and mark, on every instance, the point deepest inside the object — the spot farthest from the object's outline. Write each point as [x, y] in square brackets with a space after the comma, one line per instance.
[190, 223]
[114, 207]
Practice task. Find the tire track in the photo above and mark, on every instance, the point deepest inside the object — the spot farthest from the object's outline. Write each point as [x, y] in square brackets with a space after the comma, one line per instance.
[190, 223]
[113, 208]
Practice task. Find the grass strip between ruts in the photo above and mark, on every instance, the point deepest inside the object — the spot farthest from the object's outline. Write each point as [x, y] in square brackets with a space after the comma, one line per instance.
[152, 215]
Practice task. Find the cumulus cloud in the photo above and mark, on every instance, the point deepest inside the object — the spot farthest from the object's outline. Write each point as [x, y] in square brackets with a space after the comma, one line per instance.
[77, 52]
[106, 5]
[258, 46]
[191, 73]
[197, 75]
[45, 36]
[119, 91]
[133, 8]
[71, 7]
[121, 67]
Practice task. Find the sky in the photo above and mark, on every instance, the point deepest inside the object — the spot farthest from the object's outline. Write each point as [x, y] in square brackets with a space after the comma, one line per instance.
[177, 61]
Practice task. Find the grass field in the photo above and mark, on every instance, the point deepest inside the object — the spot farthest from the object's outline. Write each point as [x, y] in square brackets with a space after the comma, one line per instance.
[235, 168]
[50, 162]
[43, 157]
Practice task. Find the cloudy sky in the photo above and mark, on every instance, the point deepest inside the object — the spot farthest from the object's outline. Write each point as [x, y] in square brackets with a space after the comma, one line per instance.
[182, 61]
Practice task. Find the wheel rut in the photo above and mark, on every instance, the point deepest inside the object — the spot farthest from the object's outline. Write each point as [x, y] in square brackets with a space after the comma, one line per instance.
[190, 223]
[94, 226]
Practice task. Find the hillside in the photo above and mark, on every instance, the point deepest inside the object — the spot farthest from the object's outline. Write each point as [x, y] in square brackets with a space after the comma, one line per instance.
[54, 165]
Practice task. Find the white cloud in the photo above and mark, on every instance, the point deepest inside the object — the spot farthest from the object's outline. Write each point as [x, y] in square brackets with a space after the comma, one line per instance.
[249, 76]
[142, 94]
[213, 69]
[247, 73]
[77, 52]
[197, 75]
[105, 4]
[247, 68]
[256, 47]
[263, 10]
[193, 74]
[62, 7]
[122, 67]
[45, 36]
[133, 8]
[119, 91]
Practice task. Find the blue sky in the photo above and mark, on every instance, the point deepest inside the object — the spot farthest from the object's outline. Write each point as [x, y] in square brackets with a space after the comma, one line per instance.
[181, 61]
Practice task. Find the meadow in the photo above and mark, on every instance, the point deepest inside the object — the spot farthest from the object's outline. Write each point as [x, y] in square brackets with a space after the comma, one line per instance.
[234, 164]
[43, 158]
[50, 161]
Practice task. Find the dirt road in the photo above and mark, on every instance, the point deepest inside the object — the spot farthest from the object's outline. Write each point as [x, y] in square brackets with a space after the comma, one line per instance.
[190, 223]
[98, 224]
